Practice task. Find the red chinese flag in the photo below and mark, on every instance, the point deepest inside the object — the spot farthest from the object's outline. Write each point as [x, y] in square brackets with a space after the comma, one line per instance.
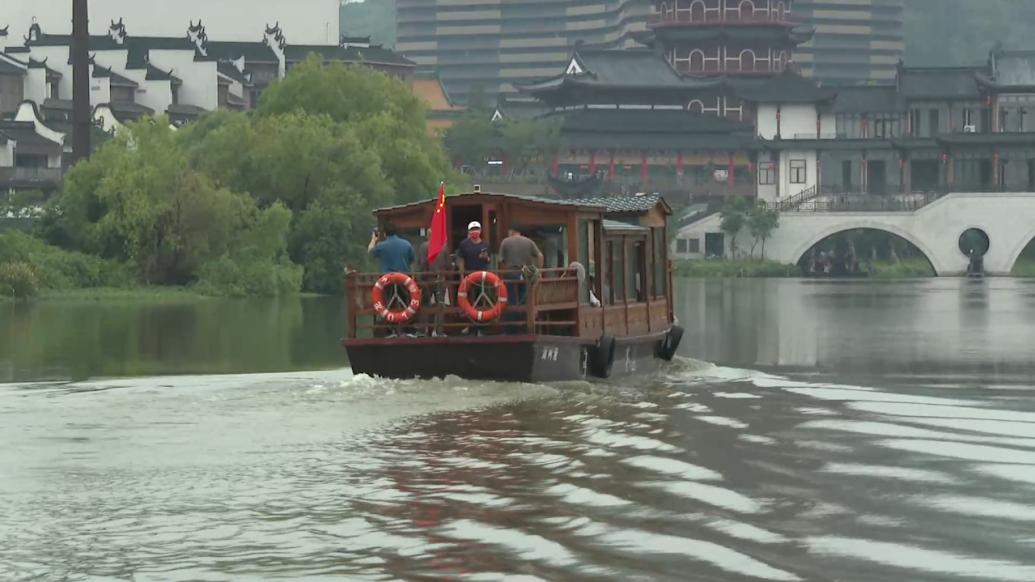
[437, 240]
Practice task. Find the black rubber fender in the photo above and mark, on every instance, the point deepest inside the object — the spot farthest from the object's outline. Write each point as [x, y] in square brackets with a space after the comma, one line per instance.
[669, 345]
[602, 357]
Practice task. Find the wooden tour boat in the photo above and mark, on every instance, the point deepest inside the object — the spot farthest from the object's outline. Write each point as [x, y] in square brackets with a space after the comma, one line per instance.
[560, 331]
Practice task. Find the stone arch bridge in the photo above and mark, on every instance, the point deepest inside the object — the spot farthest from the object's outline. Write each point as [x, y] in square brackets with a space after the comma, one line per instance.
[935, 229]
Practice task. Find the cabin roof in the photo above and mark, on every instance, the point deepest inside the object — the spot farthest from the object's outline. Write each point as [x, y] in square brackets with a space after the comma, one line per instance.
[619, 226]
[560, 203]
[617, 204]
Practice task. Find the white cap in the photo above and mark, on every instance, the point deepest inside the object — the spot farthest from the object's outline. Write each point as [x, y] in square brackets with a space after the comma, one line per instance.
[474, 224]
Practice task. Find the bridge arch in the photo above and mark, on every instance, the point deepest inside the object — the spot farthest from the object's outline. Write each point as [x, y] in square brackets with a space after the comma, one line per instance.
[815, 238]
[1015, 254]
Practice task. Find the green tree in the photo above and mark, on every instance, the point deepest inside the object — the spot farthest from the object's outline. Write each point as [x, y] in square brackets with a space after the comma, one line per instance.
[387, 118]
[530, 143]
[471, 140]
[761, 223]
[734, 218]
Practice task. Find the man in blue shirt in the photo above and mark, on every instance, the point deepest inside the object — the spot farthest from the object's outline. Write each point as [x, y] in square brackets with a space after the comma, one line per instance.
[393, 254]
[473, 251]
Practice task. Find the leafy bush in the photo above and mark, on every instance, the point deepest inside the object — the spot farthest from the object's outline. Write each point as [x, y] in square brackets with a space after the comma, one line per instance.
[18, 280]
[226, 277]
[906, 268]
[735, 269]
[59, 269]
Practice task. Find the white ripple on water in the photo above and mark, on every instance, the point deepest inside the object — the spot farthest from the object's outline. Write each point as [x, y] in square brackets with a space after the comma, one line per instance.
[886, 472]
[722, 421]
[746, 531]
[886, 429]
[996, 427]
[854, 394]
[616, 440]
[1018, 473]
[576, 495]
[963, 451]
[757, 439]
[709, 494]
[736, 395]
[978, 506]
[640, 542]
[920, 559]
[672, 467]
[530, 547]
[928, 411]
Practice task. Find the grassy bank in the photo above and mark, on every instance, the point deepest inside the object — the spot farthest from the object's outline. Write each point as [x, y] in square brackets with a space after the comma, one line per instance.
[909, 268]
[738, 269]
[123, 294]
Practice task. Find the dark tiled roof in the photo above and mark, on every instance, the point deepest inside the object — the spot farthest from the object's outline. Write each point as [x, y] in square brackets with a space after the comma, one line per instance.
[24, 132]
[180, 109]
[230, 71]
[126, 112]
[3, 31]
[866, 99]
[621, 204]
[231, 51]
[374, 55]
[661, 121]
[940, 83]
[97, 42]
[11, 66]
[786, 87]
[987, 139]
[1013, 69]
[156, 74]
[58, 104]
[116, 79]
[34, 64]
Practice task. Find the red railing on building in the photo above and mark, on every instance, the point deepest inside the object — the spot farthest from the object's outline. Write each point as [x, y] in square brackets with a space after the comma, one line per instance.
[730, 18]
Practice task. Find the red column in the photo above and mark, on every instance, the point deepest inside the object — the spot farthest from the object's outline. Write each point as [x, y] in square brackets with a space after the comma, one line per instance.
[592, 162]
[555, 167]
[644, 169]
[611, 170]
[679, 164]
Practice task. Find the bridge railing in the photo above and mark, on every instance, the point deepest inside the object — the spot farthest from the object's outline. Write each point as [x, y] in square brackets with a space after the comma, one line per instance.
[867, 203]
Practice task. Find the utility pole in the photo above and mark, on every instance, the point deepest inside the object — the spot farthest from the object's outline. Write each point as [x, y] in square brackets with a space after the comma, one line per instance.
[81, 122]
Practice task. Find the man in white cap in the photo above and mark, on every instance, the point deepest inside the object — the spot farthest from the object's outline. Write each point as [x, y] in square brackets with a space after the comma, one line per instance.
[473, 253]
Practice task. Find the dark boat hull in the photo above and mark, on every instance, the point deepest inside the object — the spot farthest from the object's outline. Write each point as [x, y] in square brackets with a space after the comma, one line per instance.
[499, 358]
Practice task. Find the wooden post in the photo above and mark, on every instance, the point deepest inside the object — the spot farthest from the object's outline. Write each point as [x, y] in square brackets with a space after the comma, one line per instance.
[351, 308]
[530, 304]
[81, 124]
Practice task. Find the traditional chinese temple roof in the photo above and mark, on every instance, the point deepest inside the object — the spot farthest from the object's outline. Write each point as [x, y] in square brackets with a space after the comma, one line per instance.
[1011, 70]
[868, 99]
[939, 82]
[602, 129]
[617, 68]
[786, 87]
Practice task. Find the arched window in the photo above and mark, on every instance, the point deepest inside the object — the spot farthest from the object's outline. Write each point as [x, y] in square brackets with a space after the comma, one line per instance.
[696, 106]
[747, 10]
[697, 11]
[697, 61]
[747, 61]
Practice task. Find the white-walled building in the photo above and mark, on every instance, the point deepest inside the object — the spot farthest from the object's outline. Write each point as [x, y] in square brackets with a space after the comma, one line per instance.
[173, 64]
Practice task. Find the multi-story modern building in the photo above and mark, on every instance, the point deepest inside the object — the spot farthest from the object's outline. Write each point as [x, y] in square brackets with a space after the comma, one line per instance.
[489, 45]
[856, 40]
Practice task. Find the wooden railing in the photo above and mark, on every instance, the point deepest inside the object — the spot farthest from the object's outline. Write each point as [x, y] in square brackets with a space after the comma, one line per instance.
[551, 305]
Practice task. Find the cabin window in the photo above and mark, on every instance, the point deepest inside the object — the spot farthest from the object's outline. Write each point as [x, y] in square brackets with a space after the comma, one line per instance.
[616, 261]
[798, 171]
[766, 174]
[660, 261]
[638, 274]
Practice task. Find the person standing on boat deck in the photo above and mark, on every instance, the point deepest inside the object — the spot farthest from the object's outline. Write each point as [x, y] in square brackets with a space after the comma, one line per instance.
[393, 254]
[433, 285]
[518, 255]
[473, 253]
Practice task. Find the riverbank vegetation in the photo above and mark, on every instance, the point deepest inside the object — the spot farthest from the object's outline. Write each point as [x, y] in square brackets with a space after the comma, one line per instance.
[264, 203]
[735, 269]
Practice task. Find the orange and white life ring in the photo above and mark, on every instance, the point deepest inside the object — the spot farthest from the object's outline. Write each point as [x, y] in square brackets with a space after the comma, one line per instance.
[476, 311]
[395, 311]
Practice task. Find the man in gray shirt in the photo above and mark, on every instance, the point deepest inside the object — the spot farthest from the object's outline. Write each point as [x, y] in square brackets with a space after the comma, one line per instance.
[516, 253]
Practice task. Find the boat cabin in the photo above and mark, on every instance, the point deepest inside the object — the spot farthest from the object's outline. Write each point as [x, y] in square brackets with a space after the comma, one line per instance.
[622, 290]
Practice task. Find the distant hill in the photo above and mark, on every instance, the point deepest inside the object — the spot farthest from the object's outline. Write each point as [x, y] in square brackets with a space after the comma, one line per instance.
[961, 32]
[374, 18]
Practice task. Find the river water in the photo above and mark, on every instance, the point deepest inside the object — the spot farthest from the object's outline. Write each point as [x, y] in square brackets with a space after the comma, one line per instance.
[811, 431]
